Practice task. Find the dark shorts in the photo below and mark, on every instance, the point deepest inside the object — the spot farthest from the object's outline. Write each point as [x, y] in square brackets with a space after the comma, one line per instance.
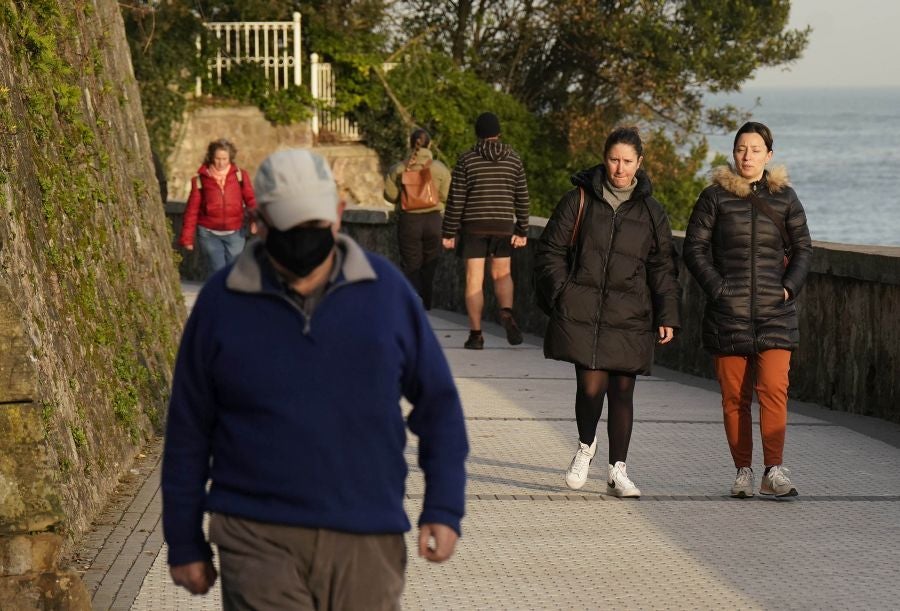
[476, 246]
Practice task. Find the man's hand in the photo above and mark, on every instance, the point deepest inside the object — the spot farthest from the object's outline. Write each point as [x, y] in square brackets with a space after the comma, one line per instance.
[196, 577]
[443, 544]
[666, 334]
[787, 295]
[189, 247]
[518, 241]
[449, 243]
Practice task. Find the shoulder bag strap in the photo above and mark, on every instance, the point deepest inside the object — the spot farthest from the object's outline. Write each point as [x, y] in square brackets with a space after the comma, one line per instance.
[578, 218]
[652, 223]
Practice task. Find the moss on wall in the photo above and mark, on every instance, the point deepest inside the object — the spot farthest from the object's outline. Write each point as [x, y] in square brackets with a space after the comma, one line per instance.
[84, 246]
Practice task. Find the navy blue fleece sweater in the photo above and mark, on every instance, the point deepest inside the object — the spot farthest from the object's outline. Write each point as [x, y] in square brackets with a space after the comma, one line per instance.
[298, 421]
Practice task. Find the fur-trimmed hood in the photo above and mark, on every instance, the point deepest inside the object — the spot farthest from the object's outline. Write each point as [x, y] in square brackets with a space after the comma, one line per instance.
[776, 179]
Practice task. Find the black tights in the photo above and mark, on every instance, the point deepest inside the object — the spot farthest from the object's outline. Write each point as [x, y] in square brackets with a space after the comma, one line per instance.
[593, 385]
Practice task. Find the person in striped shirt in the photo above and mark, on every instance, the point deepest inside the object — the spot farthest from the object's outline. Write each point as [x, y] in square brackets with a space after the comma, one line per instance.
[487, 217]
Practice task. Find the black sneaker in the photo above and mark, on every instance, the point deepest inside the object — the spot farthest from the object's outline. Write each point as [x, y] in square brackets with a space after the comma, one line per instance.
[475, 341]
[513, 334]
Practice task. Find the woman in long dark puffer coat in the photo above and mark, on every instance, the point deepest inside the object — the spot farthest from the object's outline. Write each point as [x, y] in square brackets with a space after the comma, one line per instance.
[735, 246]
[611, 295]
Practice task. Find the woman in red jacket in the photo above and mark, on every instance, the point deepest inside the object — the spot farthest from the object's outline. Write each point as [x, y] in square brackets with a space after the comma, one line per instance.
[220, 193]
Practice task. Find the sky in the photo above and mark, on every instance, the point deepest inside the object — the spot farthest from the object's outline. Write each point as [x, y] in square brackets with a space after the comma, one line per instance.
[853, 44]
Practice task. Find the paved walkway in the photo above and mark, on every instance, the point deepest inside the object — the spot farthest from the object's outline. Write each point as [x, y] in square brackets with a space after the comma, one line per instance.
[530, 543]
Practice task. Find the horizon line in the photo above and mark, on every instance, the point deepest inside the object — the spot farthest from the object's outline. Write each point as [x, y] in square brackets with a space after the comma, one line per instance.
[816, 86]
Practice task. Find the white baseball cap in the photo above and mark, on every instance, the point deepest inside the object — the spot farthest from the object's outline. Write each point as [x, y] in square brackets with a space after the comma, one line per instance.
[296, 186]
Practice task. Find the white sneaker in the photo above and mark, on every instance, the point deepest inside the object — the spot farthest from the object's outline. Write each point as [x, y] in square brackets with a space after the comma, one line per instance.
[742, 487]
[618, 484]
[576, 474]
[776, 482]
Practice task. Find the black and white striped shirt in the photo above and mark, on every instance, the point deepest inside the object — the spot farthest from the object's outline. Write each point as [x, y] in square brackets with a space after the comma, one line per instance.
[488, 192]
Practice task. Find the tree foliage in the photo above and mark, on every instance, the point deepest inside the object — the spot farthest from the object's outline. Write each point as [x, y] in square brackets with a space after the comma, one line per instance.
[447, 107]
[559, 73]
[585, 66]
[161, 36]
[329, 26]
[632, 57]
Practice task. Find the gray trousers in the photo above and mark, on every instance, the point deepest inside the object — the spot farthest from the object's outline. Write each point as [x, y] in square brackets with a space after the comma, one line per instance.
[272, 566]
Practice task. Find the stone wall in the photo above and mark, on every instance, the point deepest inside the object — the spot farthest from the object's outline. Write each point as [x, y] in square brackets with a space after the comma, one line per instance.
[30, 499]
[356, 168]
[90, 303]
[245, 126]
[849, 357]
[849, 354]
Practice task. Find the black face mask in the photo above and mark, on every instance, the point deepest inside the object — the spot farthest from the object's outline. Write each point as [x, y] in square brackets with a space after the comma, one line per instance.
[300, 249]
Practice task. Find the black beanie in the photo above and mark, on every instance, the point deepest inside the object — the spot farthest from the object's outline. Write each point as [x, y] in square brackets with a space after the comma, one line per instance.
[487, 125]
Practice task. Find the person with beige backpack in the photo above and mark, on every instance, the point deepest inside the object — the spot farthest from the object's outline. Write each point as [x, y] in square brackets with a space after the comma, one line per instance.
[419, 187]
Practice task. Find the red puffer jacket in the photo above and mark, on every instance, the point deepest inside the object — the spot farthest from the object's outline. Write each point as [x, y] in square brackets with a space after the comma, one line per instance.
[215, 208]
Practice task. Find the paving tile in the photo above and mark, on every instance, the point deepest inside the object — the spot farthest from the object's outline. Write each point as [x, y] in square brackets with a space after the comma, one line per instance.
[685, 545]
[662, 555]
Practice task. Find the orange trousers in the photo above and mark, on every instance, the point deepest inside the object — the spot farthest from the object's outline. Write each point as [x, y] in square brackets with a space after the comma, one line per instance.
[767, 373]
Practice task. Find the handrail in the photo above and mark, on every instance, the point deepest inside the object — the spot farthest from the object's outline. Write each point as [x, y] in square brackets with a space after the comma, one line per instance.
[266, 43]
[241, 42]
[322, 87]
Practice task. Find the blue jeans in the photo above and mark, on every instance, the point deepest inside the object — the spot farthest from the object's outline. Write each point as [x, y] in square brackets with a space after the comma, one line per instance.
[220, 250]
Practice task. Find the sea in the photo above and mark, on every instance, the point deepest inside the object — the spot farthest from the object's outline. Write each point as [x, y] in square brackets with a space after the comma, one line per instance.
[841, 147]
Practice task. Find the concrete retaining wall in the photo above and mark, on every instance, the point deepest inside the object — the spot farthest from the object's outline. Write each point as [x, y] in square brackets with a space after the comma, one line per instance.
[849, 311]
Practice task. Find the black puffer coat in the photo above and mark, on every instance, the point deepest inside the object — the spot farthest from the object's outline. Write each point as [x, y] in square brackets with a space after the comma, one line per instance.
[605, 313]
[736, 253]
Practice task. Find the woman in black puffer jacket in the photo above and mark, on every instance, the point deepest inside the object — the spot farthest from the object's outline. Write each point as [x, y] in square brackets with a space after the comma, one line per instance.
[610, 297]
[737, 253]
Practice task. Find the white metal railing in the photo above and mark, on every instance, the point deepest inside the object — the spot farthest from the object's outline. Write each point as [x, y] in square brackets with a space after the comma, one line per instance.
[322, 87]
[275, 45]
[267, 43]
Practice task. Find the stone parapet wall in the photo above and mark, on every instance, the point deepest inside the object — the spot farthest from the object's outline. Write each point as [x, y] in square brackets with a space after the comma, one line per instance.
[360, 182]
[356, 168]
[849, 355]
[245, 126]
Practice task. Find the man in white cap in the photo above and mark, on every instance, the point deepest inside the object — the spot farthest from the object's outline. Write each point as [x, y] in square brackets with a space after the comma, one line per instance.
[286, 398]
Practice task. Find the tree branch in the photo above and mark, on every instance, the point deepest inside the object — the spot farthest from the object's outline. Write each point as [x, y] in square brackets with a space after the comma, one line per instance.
[409, 43]
[404, 114]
